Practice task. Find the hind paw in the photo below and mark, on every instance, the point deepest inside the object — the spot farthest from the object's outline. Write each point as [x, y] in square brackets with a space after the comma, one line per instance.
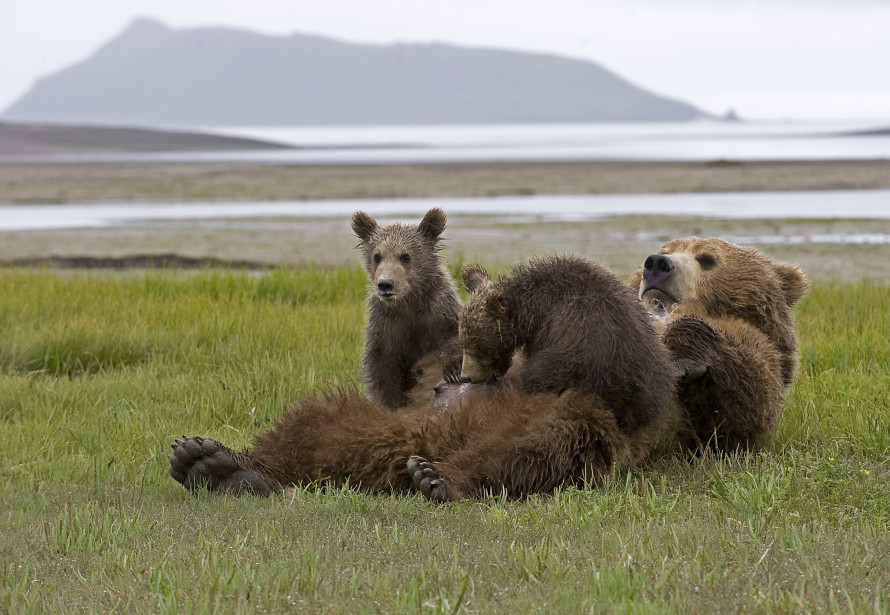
[426, 480]
[199, 462]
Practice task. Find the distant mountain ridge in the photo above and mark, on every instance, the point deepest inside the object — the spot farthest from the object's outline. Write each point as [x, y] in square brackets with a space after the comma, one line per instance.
[152, 75]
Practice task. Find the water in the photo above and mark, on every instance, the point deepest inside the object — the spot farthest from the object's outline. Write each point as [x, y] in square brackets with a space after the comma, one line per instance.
[847, 204]
[686, 141]
[694, 141]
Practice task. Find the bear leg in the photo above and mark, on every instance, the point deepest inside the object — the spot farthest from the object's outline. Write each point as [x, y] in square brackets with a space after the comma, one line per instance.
[727, 384]
[201, 462]
[533, 444]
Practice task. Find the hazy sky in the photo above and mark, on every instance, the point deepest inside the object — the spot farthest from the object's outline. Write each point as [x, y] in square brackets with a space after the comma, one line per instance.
[806, 59]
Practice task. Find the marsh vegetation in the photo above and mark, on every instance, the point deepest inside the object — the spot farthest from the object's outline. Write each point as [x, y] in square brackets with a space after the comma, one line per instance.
[100, 371]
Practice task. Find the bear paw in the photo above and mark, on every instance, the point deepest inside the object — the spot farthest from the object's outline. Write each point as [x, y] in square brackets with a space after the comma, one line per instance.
[201, 462]
[693, 343]
[426, 480]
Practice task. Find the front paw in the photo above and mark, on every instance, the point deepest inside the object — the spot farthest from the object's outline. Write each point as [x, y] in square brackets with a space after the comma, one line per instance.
[451, 374]
[693, 343]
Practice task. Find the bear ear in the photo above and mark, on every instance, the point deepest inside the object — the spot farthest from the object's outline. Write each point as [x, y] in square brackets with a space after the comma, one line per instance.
[794, 282]
[496, 304]
[363, 225]
[475, 278]
[433, 224]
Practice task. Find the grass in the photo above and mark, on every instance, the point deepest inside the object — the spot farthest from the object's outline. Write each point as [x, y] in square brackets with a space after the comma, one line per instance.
[99, 372]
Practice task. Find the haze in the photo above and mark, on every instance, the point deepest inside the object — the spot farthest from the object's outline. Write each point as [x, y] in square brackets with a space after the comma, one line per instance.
[797, 59]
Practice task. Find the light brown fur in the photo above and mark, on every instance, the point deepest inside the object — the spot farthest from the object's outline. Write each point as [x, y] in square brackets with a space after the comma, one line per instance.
[727, 322]
[723, 312]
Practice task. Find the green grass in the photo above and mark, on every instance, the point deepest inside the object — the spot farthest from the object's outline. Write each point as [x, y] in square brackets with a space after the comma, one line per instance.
[99, 372]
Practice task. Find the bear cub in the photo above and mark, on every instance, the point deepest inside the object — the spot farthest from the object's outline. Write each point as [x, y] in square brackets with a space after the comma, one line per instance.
[577, 327]
[412, 307]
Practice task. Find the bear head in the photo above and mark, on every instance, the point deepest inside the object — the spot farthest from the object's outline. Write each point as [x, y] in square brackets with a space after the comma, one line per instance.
[400, 258]
[485, 330]
[712, 278]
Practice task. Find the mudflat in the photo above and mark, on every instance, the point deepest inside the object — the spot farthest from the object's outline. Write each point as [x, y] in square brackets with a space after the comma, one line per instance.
[621, 242]
[29, 182]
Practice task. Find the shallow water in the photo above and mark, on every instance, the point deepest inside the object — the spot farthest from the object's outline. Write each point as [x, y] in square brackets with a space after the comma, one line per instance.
[862, 205]
[689, 141]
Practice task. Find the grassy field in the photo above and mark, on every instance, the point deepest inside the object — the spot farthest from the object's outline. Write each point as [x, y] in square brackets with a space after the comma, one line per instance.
[99, 372]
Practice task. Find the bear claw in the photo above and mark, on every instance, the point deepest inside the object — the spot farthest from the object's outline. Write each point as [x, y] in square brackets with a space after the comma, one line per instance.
[426, 479]
[198, 462]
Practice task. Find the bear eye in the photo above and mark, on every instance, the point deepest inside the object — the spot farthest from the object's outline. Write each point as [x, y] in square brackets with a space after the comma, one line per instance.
[377, 258]
[405, 258]
[706, 261]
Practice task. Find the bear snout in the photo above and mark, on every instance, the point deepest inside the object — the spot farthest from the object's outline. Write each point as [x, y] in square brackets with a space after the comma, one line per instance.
[385, 287]
[658, 268]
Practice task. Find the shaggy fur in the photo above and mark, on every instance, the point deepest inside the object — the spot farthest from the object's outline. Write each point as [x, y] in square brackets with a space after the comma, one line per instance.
[516, 443]
[412, 307]
[578, 327]
[574, 412]
[726, 318]
[600, 401]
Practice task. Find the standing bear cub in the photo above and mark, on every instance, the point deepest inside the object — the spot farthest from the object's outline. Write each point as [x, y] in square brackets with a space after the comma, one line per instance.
[412, 306]
[725, 315]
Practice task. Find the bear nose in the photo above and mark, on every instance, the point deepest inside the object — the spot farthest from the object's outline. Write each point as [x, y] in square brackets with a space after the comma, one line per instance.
[385, 285]
[657, 268]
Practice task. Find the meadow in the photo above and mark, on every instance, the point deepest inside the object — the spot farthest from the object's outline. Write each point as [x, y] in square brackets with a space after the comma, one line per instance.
[100, 371]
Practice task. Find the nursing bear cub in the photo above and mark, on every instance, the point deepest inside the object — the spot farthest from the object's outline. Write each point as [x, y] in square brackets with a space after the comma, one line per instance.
[577, 327]
[725, 314]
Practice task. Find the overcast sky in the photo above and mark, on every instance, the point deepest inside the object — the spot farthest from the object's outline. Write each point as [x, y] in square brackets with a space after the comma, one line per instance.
[769, 59]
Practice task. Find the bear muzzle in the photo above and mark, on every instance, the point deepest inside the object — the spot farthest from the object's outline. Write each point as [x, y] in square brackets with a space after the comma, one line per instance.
[386, 289]
[658, 278]
[658, 268]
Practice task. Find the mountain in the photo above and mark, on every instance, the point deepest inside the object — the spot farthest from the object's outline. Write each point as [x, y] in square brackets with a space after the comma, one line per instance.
[152, 75]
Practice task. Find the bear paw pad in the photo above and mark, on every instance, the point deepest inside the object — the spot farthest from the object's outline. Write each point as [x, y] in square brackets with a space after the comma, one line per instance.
[198, 462]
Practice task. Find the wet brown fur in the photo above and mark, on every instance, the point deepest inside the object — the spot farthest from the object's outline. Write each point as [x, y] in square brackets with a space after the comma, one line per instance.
[578, 327]
[518, 439]
[516, 443]
[730, 338]
[729, 327]
[412, 327]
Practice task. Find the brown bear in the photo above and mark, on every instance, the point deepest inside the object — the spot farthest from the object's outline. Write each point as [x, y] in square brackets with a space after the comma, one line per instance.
[507, 442]
[412, 307]
[725, 315]
[596, 395]
[577, 326]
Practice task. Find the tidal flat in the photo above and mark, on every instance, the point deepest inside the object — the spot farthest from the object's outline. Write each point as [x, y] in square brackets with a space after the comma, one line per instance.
[828, 249]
